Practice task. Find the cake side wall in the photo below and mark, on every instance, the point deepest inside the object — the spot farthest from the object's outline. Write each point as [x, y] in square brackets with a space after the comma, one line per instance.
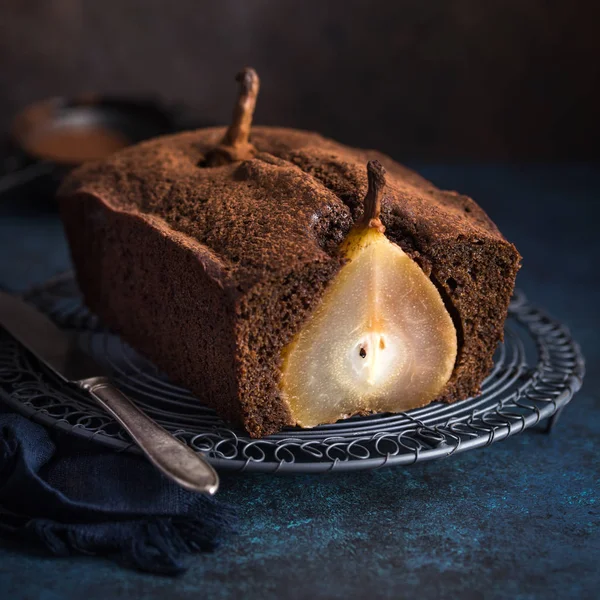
[477, 278]
[165, 299]
[267, 319]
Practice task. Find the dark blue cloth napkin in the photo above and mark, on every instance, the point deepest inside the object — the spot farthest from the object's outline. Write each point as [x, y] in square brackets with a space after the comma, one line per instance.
[60, 492]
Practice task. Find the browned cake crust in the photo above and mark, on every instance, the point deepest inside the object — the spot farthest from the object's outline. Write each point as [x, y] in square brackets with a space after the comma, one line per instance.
[210, 271]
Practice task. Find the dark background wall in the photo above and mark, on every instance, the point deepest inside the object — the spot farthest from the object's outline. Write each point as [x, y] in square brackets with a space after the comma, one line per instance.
[448, 79]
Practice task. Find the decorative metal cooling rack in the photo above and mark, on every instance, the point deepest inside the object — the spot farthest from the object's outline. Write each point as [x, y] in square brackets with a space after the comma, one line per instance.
[536, 371]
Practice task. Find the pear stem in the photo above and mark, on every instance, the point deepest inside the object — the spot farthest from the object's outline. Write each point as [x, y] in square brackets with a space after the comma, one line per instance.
[235, 145]
[238, 133]
[372, 203]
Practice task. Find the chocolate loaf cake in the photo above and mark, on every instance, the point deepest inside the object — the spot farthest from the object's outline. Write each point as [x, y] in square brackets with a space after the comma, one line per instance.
[210, 267]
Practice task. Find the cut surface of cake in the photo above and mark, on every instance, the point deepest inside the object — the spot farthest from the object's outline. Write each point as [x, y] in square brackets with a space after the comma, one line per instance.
[288, 279]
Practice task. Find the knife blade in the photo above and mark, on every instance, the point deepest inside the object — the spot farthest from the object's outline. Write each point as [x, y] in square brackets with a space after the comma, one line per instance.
[59, 351]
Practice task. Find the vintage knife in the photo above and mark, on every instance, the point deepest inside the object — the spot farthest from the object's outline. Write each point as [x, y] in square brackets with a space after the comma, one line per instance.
[59, 351]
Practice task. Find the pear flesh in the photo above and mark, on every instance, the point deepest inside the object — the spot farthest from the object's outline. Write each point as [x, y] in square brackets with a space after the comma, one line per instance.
[381, 340]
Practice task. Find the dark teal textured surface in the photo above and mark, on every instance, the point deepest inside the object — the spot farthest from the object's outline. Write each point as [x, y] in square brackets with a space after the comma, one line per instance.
[516, 520]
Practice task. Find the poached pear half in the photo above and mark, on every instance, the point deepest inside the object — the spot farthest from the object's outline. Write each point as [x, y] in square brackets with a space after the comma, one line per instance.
[380, 340]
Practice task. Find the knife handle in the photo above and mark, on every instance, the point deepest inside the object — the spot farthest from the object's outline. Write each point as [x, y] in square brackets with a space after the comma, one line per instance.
[178, 462]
